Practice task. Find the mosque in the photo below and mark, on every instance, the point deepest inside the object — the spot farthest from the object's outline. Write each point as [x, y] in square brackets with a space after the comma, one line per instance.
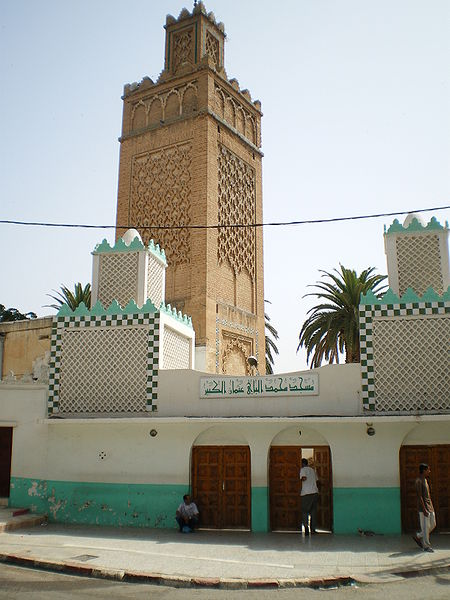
[149, 393]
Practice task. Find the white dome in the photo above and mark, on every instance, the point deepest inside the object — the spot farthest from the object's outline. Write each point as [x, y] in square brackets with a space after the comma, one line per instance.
[412, 216]
[129, 236]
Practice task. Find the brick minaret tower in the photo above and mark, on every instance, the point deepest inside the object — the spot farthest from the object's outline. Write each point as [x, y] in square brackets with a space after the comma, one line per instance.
[190, 155]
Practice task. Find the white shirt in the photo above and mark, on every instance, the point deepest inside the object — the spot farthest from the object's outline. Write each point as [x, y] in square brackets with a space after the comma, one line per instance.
[188, 510]
[309, 486]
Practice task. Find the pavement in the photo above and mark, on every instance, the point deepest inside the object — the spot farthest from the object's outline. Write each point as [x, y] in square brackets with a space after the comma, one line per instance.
[221, 559]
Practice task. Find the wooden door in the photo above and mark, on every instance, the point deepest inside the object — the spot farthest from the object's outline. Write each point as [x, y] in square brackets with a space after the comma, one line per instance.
[438, 458]
[322, 465]
[284, 487]
[5, 460]
[221, 486]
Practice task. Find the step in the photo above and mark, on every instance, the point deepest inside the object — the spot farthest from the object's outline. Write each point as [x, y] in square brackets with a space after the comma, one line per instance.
[19, 518]
[4, 501]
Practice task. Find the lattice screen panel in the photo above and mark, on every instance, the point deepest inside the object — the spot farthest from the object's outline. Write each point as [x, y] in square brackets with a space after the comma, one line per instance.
[103, 370]
[118, 277]
[155, 280]
[419, 263]
[412, 364]
[405, 356]
[104, 364]
[176, 350]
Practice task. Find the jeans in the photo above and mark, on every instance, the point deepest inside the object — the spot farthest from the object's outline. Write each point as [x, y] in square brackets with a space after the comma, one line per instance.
[309, 507]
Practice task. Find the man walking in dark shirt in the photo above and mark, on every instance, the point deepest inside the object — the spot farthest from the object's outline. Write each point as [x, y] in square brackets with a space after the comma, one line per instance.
[425, 508]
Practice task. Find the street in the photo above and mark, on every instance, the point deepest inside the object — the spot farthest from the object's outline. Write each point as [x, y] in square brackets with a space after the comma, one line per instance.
[17, 583]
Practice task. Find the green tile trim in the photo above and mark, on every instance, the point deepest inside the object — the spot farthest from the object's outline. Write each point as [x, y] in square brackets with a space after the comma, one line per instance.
[178, 315]
[119, 246]
[409, 297]
[113, 309]
[375, 509]
[416, 226]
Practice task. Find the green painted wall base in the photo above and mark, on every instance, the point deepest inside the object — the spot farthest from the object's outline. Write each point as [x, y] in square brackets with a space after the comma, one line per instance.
[114, 504]
[260, 509]
[148, 505]
[374, 509]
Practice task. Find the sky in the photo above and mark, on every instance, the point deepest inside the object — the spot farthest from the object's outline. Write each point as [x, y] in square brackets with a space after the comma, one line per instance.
[355, 96]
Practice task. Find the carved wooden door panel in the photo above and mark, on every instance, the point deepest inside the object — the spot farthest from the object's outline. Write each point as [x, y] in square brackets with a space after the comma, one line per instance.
[236, 487]
[438, 457]
[322, 465]
[284, 488]
[5, 460]
[207, 483]
[221, 486]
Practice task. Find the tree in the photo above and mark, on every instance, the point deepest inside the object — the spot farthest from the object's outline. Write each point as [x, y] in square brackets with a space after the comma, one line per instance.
[12, 314]
[271, 347]
[333, 327]
[72, 299]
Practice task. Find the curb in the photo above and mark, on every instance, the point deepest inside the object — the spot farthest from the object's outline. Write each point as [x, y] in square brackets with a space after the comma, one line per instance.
[180, 581]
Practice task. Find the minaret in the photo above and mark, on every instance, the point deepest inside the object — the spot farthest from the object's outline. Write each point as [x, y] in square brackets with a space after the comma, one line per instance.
[190, 156]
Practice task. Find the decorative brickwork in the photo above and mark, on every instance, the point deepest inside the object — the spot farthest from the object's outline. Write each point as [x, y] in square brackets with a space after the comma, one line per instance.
[212, 48]
[236, 350]
[235, 114]
[419, 263]
[104, 364]
[405, 356]
[161, 195]
[237, 197]
[174, 102]
[118, 278]
[182, 49]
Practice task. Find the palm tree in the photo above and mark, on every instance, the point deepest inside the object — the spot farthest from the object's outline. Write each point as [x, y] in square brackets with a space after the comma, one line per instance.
[271, 347]
[12, 314]
[72, 299]
[333, 327]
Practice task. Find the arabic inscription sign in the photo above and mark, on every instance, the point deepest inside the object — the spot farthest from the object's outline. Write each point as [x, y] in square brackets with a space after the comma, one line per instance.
[268, 385]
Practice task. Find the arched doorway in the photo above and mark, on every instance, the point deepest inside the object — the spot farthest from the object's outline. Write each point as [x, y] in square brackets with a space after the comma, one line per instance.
[221, 479]
[284, 486]
[438, 457]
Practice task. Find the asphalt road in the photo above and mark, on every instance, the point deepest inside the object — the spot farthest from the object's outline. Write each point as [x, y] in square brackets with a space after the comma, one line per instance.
[18, 583]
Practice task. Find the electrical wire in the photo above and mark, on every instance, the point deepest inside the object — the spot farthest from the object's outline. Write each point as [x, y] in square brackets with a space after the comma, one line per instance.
[224, 226]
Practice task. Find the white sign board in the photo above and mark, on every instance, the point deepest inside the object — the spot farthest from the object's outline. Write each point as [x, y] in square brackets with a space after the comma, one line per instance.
[267, 385]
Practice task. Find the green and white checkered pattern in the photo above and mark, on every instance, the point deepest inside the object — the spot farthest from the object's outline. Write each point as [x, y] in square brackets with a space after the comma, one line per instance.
[73, 322]
[370, 312]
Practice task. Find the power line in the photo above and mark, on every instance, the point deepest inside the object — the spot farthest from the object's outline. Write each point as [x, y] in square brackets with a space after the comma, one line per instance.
[225, 226]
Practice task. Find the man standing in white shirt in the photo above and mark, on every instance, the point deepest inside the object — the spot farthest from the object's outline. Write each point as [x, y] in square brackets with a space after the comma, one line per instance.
[310, 497]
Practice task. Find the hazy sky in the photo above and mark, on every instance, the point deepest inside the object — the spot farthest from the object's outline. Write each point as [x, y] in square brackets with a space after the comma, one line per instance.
[355, 96]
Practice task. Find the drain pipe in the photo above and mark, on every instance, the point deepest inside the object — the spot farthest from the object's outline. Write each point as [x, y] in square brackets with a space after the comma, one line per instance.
[2, 343]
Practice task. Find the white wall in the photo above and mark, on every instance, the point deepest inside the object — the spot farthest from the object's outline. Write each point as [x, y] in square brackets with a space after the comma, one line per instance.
[339, 387]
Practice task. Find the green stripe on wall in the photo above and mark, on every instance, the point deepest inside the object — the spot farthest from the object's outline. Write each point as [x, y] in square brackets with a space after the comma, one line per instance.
[260, 509]
[374, 509]
[115, 504]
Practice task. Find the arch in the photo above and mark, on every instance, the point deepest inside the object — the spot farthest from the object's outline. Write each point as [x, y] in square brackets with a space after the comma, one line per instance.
[172, 107]
[220, 103]
[229, 111]
[221, 435]
[139, 116]
[155, 111]
[250, 130]
[189, 100]
[427, 442]
[240, 120]
[286, 450]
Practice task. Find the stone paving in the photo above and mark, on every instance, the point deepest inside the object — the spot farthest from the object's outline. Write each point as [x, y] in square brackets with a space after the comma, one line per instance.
[221, 558]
